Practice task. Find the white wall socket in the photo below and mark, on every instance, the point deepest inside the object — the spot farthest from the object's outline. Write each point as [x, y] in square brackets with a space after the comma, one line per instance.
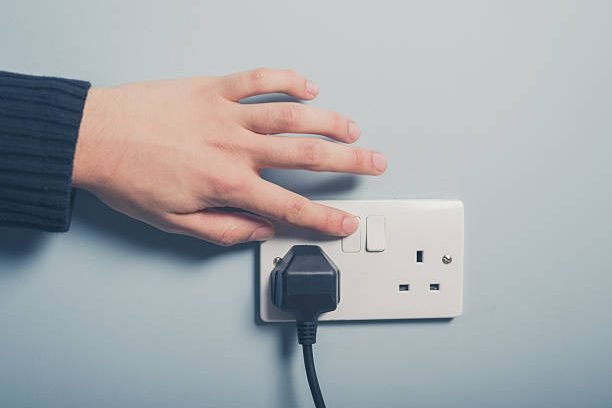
[404, 262]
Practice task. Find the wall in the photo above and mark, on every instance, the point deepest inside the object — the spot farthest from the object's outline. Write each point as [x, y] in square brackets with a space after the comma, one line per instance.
[505, 105]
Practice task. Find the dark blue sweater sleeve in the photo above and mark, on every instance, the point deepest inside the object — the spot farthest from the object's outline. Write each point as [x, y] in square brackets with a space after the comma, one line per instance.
[39, 125]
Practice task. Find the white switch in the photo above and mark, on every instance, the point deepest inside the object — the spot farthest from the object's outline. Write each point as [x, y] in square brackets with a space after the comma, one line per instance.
[375, 233]
[352, 243]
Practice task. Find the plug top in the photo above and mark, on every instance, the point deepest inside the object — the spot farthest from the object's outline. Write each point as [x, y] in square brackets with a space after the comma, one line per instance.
[305, 282]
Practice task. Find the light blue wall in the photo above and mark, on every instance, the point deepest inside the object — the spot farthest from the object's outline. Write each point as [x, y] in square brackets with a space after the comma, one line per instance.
[504, 105]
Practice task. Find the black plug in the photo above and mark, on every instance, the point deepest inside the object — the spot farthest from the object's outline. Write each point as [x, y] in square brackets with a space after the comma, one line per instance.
[306, 283]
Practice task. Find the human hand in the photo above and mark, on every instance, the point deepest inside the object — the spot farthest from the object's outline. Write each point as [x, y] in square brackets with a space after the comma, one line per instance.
[174, 153]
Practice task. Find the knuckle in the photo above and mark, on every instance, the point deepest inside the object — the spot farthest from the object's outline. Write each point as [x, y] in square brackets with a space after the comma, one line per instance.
[229, 236]
[292, 76]
[258, 76]
[291, 73]
[332, 221]
[224, 187]
[312, 152]
[338, 123]
[295, 211]
[287, 115]
[359, 158]
[233, 185]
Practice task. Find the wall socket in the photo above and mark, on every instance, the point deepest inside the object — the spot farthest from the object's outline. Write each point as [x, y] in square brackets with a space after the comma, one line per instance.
[404, 262]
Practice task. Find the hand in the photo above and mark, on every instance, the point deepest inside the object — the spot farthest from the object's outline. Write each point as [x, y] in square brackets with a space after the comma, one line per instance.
[173, 153]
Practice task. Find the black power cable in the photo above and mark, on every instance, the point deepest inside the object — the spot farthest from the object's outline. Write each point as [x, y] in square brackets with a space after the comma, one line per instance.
[307, 336]
[311, 374]
[306, 283]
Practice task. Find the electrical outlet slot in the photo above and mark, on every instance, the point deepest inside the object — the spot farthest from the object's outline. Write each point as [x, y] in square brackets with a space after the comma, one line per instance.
[434, 287]
[405, 287]
[419, 256]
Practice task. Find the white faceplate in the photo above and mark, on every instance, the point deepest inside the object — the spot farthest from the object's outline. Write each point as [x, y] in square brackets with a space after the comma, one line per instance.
[380, 276]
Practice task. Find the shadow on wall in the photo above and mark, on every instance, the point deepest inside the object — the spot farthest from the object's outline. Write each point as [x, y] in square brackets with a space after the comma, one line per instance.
[132, 234]
[19, 243]
[310, 185]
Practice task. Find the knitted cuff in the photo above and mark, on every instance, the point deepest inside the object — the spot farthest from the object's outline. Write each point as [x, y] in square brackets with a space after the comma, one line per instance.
[39, 125]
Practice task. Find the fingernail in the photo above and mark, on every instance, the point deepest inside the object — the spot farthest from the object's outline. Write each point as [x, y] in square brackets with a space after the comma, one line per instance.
[349, 224]
[311, 88]
[379, 162]
[353, 131]
[261, 234]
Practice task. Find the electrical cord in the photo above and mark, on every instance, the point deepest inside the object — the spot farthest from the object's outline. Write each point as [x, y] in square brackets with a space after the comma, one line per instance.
[306, 283]
[307, 336]
[311, 374]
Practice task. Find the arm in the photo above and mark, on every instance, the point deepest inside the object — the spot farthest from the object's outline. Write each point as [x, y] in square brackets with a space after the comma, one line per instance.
[174, 153]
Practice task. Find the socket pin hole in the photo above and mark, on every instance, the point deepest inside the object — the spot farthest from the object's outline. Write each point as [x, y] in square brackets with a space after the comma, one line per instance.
[404, 287]
[419, 256]
[434, 286]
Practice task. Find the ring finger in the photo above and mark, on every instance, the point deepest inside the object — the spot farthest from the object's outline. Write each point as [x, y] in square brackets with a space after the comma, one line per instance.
[291, 117]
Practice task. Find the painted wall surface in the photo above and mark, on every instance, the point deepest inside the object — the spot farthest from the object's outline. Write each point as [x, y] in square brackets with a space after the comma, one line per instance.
[506, 105]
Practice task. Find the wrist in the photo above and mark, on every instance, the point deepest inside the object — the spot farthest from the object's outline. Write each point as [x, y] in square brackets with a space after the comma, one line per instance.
[87, 169]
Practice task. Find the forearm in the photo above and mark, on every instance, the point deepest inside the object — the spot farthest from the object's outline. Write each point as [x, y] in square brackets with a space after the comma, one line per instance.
[39, 124]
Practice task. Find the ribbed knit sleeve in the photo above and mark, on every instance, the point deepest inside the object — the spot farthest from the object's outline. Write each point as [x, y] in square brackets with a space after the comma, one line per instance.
[39, 124]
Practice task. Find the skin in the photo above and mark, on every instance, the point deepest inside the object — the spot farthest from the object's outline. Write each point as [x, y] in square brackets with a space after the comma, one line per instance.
[175, 154]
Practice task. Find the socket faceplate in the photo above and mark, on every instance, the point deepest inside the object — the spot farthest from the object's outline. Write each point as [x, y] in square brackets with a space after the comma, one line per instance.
[399, 272]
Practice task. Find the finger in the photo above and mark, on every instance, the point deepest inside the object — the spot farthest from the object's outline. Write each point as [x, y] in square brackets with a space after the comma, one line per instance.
[270, 200]
[266, 80]
[317, 155]
[290, 117]
[222, 227]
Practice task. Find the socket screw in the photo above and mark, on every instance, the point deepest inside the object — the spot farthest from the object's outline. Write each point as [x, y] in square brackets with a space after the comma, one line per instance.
[446, 259]
[277, 260]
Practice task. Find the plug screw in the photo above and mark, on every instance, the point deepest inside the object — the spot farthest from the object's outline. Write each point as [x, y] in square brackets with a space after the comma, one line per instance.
[446, 259]
[277, 260]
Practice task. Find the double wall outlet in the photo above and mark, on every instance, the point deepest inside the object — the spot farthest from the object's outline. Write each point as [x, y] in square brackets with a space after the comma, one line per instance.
[404, 262]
